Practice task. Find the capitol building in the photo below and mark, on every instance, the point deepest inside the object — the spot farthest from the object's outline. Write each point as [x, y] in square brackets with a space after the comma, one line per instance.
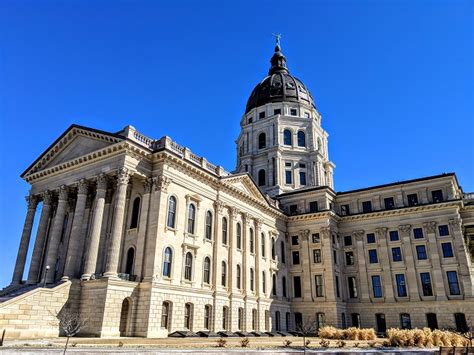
[142, 237]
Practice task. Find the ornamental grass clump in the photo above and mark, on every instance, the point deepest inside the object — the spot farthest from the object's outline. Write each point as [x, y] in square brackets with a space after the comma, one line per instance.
[330, 332]
[351, 333]
[424, 338]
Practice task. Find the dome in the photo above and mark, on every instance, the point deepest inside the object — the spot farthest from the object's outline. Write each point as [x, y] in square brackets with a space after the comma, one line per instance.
[279, 86]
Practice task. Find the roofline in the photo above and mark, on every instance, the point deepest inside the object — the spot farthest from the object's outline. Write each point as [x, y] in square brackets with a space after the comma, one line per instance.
[400, 183]
[300, 191]
[71, 127]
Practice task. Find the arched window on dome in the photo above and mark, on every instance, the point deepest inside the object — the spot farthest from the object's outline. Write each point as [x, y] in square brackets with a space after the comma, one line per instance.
[261, 177]
[301, 139]
[287, 139]
[262, 140]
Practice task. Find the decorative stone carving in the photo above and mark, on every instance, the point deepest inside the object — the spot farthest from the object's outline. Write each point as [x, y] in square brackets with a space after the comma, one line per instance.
[148, 185]
[326, 232]
[162, 183]
[455, 224]
[82, 187]
[405, 230]
[123, 176]
[304, 234]
[63, 192]
[102, 182]
[258, 223]
[358, 235]
[381, 232]
[234, 212]
[32, 201]
[219, 205]
[430, 226]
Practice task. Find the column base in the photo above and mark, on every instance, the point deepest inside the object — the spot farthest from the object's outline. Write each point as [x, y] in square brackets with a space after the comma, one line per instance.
[111, 275]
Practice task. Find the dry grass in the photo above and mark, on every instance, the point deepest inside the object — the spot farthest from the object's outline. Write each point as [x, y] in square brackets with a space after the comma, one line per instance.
[424, 338]
[351, 333]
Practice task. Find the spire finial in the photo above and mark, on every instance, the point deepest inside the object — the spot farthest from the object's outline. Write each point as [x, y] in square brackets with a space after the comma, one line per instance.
[277, 38]
[278, 60]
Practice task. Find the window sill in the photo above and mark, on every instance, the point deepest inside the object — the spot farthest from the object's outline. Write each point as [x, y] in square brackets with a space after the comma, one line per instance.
[174, 230]
[210, 241]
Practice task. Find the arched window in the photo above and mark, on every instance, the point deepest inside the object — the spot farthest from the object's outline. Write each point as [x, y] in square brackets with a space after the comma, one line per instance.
[251, 240]
[263, 244]
[188, 266]
[262, 140]
[273, 249]
[188, 309]
[287, 321]
[168, 259]
[224, 230]
[238, 236]
[261, 177]
[224, 274]
[125, 316]
[238, 276]
[130, 261]
[252, 279]
[277, 321]
[207, 316]
[135, 213]
[225, 317]
[165, 315]
[264, 282]
[301, 139]
[287, 137]
[254, 319]
[191, 218]
[207, 270]
[208, 225]
[171, 219]
[240, 318]
[267, 320]
[282, 252]
[274, 285]
[283, 286]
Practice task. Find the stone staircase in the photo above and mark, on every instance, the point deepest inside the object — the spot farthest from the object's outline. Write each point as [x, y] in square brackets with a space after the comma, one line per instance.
[11, 292]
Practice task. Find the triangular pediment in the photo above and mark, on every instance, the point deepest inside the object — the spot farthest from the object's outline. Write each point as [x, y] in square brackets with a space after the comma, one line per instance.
[75, 142]
[246, 185]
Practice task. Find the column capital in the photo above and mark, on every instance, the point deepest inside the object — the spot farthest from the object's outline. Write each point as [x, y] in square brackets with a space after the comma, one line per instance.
[82, 187]
[258, 223]
[148, 185]
[358, 234]
[219, 206]
[32, 201]
[47, 197]
[63, 193]
[455, 223]
[233, 212]
[101, 182]
[162, 183]
[405, 229]
[305, 234]
[381, 232]
[430, 226]
[123, 176]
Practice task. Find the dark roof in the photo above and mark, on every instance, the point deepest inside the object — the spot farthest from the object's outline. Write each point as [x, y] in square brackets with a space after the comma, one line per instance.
[305, 189]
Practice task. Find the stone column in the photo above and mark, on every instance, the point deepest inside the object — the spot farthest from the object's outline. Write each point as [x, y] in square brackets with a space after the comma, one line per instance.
[113, 253]
[463, 256]
[257, 240]
[246, 279]
[91, 257]
[362, 265]
[38, 249]
[56, 231]
[328, 262]
[25, 240]
[74, 248]
[412, 282]
[386, 266]
[217, 242]
[142, 227]
[305, 261]
[439, 290]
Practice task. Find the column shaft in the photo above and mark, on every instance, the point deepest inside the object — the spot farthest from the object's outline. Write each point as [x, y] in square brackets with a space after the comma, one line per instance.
[25, 240]
[33, 275]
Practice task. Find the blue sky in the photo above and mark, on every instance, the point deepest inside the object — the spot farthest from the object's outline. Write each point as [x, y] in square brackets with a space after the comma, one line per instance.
[392, 79]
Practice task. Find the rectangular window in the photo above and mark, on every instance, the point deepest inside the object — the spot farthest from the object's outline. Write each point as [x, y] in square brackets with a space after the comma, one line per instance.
[401, 285]
[347, 240]
[288, 164]
[307, 115]
[313, 206]
[315, 237]
[437, 196]
[394, 236]
[293, 209]
[293, 112]
[447, 250]
[396, 254]
[426, 284]
[295, 240]
[317, 256]
[443, 230]
[302, 177]
[261, 115]
[376, 286]
[345, 211]
[277, 111]
[366, 206]
[412, 200]
[302, 165]
[297, 286]
[421, 252]
[296, 257]
[318, 280]
[417, 233]
[288, 177]
[349, 258]
[453, 283]
[370, 238]
[373, 258]
[334, 255]
[389, 203]
[352, 286]
[337, 287]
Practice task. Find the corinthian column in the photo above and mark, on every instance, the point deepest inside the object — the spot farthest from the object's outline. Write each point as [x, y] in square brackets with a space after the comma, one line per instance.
[75, 238]
[25, 240]
[38, 251]
[113, 253]
[91, 258]
[56, 231]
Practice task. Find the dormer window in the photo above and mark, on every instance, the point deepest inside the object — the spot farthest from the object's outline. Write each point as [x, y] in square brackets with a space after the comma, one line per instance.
[261, 115]
[412, 199]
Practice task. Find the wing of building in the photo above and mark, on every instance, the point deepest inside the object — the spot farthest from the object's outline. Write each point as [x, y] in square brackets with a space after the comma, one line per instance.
[142, 237]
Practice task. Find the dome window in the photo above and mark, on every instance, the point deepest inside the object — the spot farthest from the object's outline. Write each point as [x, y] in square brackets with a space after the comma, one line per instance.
[277, 111]
[287, 139]
[261, 178]
[261, 115]
[301, 139]
[262, 140]
[293, 112]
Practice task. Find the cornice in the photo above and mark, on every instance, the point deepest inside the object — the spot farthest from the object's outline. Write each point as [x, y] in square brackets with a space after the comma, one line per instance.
[314, 216]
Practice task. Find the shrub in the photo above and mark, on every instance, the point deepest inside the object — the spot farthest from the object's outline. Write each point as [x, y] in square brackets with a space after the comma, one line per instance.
[221, 342]
[351, 333]
[340, 343]
[120, 344]
[287, 343]
[329, 332]
[372, 344]
[244, 342]
[424, 338]
[356, 344]
[324, 343]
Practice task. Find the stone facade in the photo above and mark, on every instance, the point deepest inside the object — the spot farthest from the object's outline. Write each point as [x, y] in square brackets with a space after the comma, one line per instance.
[143, 238]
